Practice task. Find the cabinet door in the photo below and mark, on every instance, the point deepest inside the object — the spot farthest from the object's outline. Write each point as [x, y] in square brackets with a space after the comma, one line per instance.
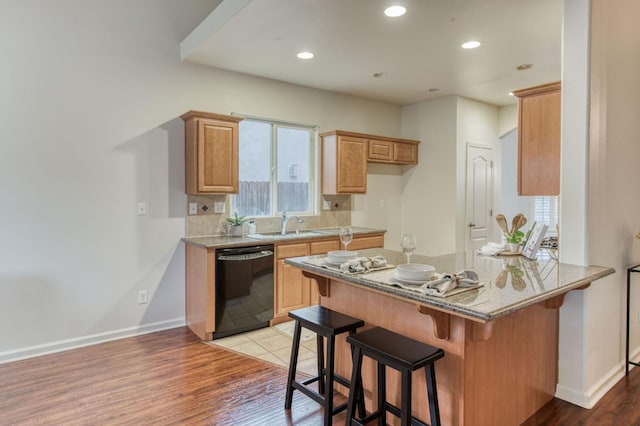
[539, 141]
[217, 157]
[292, 289]
[351, 165]
[380, 150]
[405, 153]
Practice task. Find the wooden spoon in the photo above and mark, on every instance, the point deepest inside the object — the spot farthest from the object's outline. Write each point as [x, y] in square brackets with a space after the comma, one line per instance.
[514, 223]
[522, 221]
[502, 223]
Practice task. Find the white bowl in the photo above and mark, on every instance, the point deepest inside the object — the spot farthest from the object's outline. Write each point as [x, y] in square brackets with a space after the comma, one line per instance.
[415, 271]
[341, 256]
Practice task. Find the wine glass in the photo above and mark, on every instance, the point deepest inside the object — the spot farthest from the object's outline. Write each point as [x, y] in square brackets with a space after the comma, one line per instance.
[408, 244]
[346, 235]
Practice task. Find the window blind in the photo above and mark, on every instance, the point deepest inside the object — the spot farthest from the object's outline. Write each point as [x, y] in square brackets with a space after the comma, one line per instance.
[545, 210]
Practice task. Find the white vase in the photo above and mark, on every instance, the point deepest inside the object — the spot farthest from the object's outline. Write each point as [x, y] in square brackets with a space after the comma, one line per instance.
[235, 230]
[514, 247]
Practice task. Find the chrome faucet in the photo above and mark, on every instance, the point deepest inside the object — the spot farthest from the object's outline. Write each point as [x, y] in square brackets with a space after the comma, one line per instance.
[285, 219]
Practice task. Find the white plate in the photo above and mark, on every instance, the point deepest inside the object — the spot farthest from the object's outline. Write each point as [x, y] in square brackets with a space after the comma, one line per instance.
[410, 282]
[335, 265]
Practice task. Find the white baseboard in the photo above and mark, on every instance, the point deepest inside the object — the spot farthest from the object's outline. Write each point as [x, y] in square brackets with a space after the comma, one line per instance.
[592, 396]
[589, 398]
[93, 339]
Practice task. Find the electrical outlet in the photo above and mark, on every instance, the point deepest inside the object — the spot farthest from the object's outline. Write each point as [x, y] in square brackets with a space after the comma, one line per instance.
[381, 203]
[143, 297]
[142, 209]
[218, 207]
[193, 208]
[326, 205]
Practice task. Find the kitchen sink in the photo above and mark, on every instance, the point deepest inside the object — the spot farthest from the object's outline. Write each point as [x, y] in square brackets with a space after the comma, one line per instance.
[278, 236]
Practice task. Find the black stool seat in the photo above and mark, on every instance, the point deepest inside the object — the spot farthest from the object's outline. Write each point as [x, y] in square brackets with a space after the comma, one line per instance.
[403, 354]
[326, 324]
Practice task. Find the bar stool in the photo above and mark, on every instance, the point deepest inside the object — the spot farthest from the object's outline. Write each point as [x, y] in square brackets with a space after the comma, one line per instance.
[325, 323]
[403, 354]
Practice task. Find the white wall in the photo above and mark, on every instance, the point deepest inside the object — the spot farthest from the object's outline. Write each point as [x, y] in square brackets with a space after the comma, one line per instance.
[90, 95]
[381, 206]
[511, 202]
[613, 205]
[433, 197]
[429, 191]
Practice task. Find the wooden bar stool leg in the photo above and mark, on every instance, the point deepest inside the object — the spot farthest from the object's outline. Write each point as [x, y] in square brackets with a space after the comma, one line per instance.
[329, 375]
[362, 412]
[320, 356]
[434, 409]
[293, 364]
[356, 378]
[405, 402]
[382, 395]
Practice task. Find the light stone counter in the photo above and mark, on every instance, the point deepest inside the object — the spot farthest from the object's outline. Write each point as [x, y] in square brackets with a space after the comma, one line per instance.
[509, 283]
[224, 241]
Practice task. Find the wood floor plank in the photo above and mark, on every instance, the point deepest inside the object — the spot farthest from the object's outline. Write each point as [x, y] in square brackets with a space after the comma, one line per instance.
[171, 378]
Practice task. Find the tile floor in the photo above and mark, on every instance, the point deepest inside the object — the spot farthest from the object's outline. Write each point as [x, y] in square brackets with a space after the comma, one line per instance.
[273, 344]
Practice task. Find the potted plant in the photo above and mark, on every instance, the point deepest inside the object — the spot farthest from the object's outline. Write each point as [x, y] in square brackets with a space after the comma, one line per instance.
[514, 239]
[235, 224]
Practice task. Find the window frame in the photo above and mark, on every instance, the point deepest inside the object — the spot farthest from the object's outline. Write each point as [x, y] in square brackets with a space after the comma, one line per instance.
[273, 174]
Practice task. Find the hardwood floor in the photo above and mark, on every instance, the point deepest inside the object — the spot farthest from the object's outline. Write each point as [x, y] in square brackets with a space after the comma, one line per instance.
[170, 377]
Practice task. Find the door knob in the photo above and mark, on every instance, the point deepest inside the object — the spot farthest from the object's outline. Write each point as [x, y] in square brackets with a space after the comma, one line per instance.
[471, 224]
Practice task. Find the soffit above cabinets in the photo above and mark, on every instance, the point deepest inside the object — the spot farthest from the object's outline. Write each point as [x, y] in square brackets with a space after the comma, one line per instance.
[417, 56]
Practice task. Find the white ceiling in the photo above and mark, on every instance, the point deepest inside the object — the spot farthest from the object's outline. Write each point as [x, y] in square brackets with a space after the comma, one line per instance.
[353, 39]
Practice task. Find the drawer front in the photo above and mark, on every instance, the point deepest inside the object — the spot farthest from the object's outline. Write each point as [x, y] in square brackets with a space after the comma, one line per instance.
[373, 241]
[321, 247]
[284, 251]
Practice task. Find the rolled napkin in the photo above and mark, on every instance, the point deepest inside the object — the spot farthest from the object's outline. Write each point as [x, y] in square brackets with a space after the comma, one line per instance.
[363, 264]
[447, 282]
[492, 249]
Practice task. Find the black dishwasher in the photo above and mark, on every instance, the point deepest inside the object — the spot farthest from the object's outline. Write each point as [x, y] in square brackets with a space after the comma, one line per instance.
[244, 289]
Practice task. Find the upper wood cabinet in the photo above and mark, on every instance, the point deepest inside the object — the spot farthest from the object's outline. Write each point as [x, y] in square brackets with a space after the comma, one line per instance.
[345, 156]
[211, 153]
[344, 163]
[539, 140]
[394, 151]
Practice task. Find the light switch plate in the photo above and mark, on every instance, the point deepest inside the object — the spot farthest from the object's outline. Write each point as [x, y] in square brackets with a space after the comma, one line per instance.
[193, 208]
[326, 205]
[218, 207]
[142, 209]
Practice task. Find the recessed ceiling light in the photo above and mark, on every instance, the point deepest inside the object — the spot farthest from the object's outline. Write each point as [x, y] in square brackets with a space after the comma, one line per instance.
[524, 67]
[471, 44]
[395, 11]
[305, 55]
[511, 94]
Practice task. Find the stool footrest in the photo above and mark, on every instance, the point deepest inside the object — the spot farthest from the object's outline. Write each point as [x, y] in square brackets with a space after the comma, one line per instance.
[317, 397]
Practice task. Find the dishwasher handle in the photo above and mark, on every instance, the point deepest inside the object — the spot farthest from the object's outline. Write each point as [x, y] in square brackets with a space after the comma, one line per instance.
[246, 256]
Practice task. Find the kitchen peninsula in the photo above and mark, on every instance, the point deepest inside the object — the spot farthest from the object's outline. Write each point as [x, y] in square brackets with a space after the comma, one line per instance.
[500, 340]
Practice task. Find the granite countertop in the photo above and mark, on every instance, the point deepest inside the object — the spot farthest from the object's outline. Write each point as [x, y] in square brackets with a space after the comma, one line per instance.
[223, 241]
[509, 283]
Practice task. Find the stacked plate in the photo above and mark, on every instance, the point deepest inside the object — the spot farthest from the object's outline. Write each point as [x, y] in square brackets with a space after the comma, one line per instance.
[414, 273]
[338, 257]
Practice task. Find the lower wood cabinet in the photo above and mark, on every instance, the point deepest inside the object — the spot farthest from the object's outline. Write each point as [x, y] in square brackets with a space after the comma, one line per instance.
[291, 289]
[294, 291]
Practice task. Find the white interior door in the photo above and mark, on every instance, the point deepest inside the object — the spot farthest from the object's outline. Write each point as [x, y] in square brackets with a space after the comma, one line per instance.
[479, 195]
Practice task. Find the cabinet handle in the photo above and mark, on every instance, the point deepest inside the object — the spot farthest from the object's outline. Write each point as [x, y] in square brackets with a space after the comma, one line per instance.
[471, 224]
